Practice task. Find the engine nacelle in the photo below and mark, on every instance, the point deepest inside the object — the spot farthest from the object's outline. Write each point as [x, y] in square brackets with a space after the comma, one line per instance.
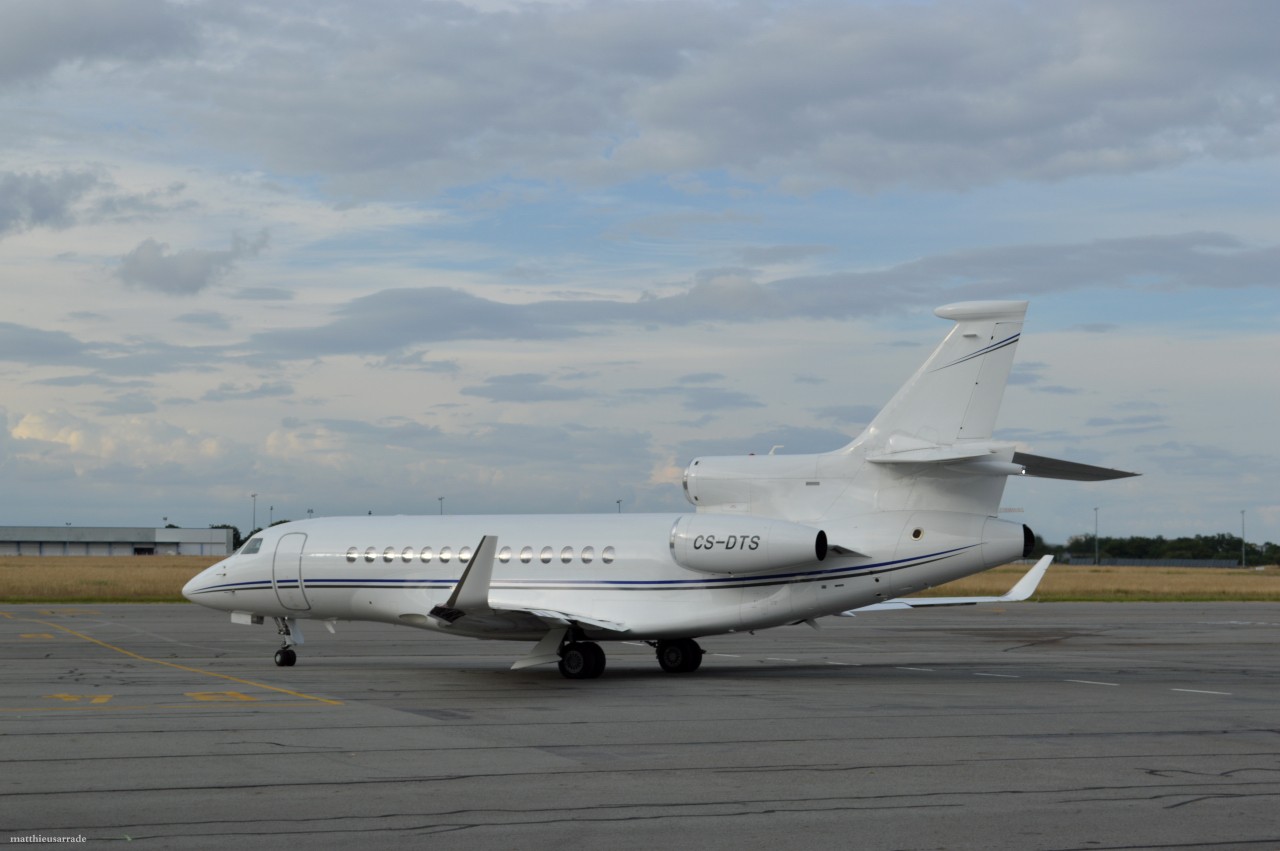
[718, 543]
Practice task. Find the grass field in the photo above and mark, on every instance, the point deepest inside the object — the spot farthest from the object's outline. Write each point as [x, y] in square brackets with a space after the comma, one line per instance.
[159, 579]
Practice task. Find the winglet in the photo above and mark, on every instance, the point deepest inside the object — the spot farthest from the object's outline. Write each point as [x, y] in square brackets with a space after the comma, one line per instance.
[1022, 590]
[471, 595]
[1026, 586]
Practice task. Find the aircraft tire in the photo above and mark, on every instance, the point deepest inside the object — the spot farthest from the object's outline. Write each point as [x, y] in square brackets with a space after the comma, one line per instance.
[582, 660]
[682, 656]
[286, 657]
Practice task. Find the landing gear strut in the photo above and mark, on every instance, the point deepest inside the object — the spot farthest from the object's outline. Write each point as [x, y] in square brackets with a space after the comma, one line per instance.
[681, 656]
[287, 628]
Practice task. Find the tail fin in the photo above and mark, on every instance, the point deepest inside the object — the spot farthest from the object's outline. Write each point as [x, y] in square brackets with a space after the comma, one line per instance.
[955, 396]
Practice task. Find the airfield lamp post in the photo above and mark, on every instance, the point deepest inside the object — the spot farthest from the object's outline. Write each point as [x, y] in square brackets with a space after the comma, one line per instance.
[1096, 560]
[1243, 563]
[619, 506]
[441, 505]
[254, 525]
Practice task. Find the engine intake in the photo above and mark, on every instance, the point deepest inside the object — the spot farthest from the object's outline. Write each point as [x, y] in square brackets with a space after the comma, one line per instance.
[732, 545]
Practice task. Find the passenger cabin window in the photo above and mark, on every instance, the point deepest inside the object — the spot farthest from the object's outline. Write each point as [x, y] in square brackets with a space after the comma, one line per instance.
[504, 555]
[446, 554]
[607, 555]
[254, 545]
[353, 554]
[588, 553]
[566, 555]
[407, 555]
[389, 554]
[526, 555]
[426, 554]
[370, 554]
[546, 555]
[464, 554]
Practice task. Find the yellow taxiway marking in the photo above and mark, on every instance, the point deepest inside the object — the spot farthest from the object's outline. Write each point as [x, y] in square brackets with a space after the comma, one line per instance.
[142, 658]
[29, 636]
[218, 695]
[116, 707]
[75, 698]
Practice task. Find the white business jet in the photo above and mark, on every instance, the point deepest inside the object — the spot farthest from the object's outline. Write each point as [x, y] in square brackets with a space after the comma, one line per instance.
[776, 539]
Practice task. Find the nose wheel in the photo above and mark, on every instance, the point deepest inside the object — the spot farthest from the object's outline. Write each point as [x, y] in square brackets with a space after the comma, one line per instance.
[287, 628]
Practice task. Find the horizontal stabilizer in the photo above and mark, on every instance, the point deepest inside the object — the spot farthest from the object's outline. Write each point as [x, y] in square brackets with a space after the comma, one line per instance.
[1022, 590]
[1052, 468]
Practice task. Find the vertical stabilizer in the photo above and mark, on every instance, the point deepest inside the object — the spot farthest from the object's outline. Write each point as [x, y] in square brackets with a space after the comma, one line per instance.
[955, 396]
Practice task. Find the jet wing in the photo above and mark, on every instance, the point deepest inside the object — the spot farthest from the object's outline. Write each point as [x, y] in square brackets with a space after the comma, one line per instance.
[1025, 587]
[469, 608]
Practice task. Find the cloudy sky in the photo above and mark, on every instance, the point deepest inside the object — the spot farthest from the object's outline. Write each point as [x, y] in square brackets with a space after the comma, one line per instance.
[536, 256]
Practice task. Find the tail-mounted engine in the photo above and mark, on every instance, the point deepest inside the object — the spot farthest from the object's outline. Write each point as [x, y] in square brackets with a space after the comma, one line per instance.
[716, 543]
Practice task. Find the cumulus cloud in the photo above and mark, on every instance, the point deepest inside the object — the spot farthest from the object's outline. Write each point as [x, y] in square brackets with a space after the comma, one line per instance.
[152, 266]
[523, 387]
[37, 36]
[393, 320]
[807, 96]
[38, 199]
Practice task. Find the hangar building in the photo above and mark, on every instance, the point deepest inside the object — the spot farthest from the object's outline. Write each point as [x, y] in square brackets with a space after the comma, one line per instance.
[112, 541]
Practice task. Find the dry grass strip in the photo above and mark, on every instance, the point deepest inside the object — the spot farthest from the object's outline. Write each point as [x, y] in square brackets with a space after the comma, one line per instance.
[153, 579]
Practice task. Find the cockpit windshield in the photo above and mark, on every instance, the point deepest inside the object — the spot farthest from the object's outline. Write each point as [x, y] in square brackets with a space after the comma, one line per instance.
[253, 546]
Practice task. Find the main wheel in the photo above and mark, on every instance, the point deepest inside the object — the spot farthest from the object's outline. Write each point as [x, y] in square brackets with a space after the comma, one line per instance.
[681, 656]
[582, 660]
[286, 657]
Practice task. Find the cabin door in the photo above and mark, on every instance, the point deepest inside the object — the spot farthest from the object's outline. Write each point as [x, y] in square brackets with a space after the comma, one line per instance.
[286, 572]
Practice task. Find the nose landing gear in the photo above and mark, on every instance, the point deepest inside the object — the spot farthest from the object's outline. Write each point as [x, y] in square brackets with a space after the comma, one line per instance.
[287, 628]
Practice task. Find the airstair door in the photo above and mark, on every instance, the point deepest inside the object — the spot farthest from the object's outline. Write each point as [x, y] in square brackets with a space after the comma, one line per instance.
[286, 572]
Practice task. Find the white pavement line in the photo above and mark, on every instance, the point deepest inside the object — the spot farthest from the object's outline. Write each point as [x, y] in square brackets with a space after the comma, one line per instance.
[1006, 676]
[1200, 691]
[727, 655]
[847, 664]
[779, 659]
[902, 668]
[1090, 683]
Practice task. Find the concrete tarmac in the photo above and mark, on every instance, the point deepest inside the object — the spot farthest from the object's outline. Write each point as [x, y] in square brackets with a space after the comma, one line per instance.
[1031, 726]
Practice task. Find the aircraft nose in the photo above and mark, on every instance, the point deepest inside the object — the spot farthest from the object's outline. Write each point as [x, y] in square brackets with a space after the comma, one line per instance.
[200, 580]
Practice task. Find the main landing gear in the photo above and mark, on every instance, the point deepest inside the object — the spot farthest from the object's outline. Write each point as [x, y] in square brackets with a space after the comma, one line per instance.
[581, 660]
[287, 628]
[584, 660]
[681, 656]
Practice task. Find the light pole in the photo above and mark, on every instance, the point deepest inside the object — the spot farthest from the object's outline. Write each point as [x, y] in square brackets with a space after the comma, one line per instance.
[1096, 561]
[619, 506]
[1242, 561]
[311, 512]
[271, 515]
[441, 505]
[254, 524]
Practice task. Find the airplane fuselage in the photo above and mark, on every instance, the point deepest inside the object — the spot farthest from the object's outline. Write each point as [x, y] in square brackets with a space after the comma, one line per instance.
[621, 568]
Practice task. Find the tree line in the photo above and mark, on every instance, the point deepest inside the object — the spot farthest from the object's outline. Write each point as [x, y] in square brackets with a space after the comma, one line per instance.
[1222, 547]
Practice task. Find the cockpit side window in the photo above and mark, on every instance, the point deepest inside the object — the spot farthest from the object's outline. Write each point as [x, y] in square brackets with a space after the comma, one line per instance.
[253, 546]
